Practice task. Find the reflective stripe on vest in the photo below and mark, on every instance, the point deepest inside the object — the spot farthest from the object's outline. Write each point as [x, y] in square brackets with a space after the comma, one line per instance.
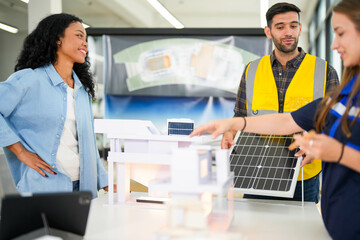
[307, 85]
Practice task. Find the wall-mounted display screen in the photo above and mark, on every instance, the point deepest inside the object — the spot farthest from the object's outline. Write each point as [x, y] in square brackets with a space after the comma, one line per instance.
[156, 74]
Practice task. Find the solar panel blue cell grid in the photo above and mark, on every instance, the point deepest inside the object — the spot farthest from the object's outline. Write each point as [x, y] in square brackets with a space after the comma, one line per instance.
[180, 128]
[263, 165]
[179, 132]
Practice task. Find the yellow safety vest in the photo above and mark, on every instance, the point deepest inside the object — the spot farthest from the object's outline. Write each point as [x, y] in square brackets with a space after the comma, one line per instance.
[307, 85]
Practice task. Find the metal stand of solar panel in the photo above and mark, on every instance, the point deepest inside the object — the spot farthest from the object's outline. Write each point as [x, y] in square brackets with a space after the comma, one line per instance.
[263, 165]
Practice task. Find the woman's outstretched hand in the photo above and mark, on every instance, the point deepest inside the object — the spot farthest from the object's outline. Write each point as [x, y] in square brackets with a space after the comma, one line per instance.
[215, 127]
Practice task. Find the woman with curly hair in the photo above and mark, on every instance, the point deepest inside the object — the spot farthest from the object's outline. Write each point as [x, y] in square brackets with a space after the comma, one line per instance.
[46, 121]
[336, 120]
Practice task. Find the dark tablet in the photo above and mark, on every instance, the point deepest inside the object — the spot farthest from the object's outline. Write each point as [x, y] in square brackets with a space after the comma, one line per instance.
[64, 211]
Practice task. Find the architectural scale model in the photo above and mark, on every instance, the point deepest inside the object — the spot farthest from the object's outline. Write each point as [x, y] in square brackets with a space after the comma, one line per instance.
[139, 151]
[193, 184]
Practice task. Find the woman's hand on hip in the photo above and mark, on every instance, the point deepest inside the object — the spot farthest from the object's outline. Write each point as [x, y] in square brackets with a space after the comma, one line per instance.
[31, 159]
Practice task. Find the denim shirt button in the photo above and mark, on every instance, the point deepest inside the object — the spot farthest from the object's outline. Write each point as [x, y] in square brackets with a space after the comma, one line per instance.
[52, 154]
[57, 135]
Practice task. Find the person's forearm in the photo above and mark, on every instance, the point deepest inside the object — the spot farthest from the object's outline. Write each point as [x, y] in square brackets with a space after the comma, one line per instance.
[16, 148]
[233, 132]
[351, 159]
[279, 124]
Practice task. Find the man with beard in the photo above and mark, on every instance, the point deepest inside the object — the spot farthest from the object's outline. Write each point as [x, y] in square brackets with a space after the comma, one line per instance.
[282, 82]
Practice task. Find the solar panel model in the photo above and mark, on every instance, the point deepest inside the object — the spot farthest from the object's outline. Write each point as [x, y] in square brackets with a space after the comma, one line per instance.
[182, 126]
[263, 165]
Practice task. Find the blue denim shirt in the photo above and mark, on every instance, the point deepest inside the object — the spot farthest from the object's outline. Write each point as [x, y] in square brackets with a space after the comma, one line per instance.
[33, 111]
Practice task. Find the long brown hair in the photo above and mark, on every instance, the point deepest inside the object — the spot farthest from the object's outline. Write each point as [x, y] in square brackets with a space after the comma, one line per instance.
[351, 8]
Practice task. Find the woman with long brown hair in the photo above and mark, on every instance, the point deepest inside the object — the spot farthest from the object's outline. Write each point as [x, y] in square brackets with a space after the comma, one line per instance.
[335, 118]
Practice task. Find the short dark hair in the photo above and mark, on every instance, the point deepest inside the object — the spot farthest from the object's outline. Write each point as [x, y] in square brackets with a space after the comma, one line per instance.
[282, 7]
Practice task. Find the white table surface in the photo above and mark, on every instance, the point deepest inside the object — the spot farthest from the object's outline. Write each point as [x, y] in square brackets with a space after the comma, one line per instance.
[253, 219]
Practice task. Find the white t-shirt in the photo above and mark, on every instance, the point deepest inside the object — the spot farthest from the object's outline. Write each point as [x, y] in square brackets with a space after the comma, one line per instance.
[67, 156]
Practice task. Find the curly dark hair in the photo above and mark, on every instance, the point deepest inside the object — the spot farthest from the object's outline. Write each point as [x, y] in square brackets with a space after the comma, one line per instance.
[40, 48]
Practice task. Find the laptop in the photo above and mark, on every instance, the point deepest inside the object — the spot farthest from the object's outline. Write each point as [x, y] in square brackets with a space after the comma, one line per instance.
[28, 217]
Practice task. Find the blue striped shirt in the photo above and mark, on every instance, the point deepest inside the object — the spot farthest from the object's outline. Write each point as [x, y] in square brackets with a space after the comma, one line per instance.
[340, 200]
